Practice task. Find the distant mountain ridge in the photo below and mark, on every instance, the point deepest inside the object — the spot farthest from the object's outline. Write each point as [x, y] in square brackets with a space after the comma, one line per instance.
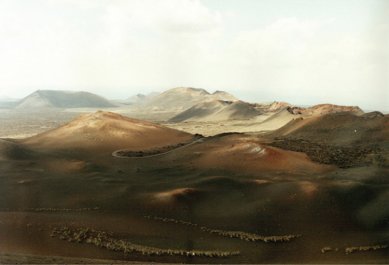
[179, 104]
[183, 98]
[140, 99]
[63, 99]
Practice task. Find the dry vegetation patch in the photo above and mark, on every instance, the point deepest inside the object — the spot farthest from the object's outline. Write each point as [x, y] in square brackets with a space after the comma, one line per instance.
[155, 151]
[231, 234]
[328, 249]
[86, 209]
[350, 250]
[341, 156]
[108, 241]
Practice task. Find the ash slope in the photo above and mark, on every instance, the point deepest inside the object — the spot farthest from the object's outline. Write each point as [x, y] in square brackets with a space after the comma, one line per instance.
[218, 111]
[106, 132]
[345, 139]
[339, 128]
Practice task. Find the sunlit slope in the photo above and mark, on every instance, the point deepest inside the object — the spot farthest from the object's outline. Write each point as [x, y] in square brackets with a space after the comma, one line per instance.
[106, 131]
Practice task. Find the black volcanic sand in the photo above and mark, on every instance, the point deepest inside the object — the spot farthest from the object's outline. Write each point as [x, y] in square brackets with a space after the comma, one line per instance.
[339, 208]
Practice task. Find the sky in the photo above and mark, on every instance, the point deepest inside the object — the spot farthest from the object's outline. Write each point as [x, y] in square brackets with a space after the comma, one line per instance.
[300, 51]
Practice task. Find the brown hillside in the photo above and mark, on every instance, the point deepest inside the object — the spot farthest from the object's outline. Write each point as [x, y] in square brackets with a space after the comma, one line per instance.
[218, 110]
[238, 153]
[339, 128]
[107, 131]
[323, 109]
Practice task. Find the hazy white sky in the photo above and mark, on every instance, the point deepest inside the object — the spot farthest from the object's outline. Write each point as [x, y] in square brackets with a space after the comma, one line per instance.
[301, 51]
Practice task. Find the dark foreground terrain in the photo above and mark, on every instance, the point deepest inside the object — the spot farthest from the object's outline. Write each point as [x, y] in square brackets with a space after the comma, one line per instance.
[233, 198]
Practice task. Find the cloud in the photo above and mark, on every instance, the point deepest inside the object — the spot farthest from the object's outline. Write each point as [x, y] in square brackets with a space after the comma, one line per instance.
[158, 18]
[185, 16]
[281, 43]
[309, 60]
[152, 44]
[71, 43]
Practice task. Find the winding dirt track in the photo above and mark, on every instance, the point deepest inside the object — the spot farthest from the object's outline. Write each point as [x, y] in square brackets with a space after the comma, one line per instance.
[117, 152]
